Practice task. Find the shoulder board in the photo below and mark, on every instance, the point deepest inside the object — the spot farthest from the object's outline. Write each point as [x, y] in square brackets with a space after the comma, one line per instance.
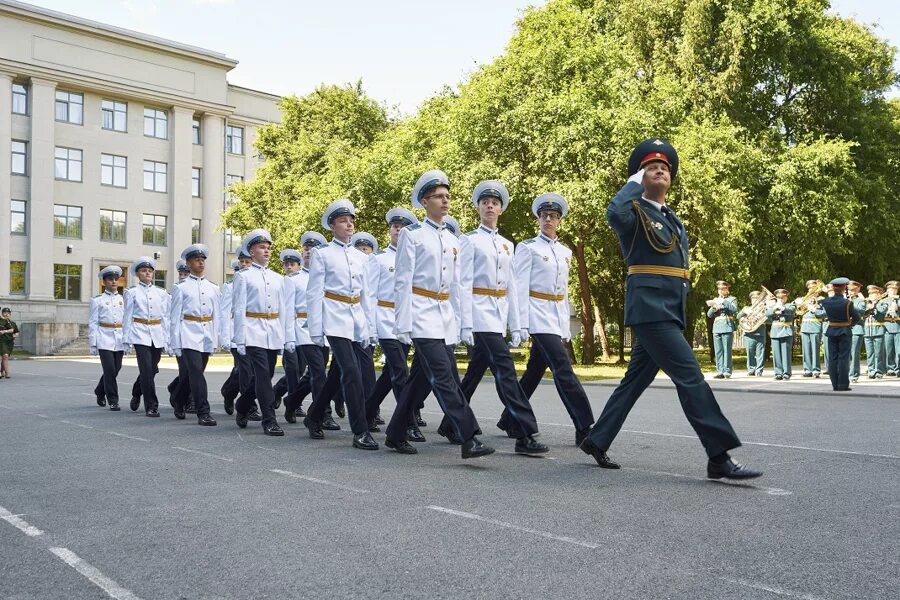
[379, 252]
[529, 241]
[98, 296]
[414, 226]
[473, 232]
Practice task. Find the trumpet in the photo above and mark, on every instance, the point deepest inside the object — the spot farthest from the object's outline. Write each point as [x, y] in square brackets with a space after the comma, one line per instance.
[803, 303]
[872, 302]
[755, 316]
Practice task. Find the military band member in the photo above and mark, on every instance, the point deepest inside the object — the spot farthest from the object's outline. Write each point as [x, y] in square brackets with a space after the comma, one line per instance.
[337, 303]
[146, 329]
[782, 313]
[892, 329]
[655, 246]
[874, 315]
[854, 291]
[829, 293]
[261, 317]
[754, 341]
[722, 310]
[426, 288]
[811, 332]
[105, 335]
[841, 315]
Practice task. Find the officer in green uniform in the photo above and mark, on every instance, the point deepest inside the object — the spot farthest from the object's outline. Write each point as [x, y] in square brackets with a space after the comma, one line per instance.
[782, 313]
[854, 293]
[841, 315]
[876, 311]
[811, 332]
[892, 329]
[754, 341]
[722, 310]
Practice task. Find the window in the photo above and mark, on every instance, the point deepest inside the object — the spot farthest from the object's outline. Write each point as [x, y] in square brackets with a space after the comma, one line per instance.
[112, 226]
[66, 221]
[17, 216]
[17, 277]
[232, 241]
[195, 131]
[155, 176]
[195, 231]
[70, 107]
[113, 170]
[19, 157]
[67, 282]
[68, 164]
[156, 123]
[115, 115]
[195, 182]
[155, 230]
[19, 99]
[159, 278]
[234, 139]
[229, 181]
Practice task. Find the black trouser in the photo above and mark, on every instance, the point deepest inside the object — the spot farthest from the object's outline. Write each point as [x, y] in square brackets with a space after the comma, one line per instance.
[240, 380]
[136, 387]
[315, 357]
[350, 357]
[190, 369]
[148, 364]
[331, 389]
[294, 366]
[395, 373]
[436, 360]
[180, 387]
[517, 412]
[421, 393]
[232, 386]
[261, 362]
[478, 365]
[839, 361]
[662, 346]
[111, 363]
[280, 387]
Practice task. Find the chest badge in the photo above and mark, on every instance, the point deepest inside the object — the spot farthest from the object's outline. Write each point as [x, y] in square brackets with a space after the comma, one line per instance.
[506, 247]
[657, 225]
[546, 258]
[391, 269]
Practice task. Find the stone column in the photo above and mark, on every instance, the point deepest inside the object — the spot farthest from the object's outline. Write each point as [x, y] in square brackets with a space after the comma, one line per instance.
[213, 184]
[5, 177]
[41, 150]
[180, 198]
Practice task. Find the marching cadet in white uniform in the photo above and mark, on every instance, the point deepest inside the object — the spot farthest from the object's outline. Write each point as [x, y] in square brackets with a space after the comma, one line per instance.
[105, 336]
[337, 302]
[261, 332]
[542, 281]
[194, 317]
[178, 388]
[366, 243]
[426, 289]
[295, 278]
[231, 387]
[489, 306]
[146, 329]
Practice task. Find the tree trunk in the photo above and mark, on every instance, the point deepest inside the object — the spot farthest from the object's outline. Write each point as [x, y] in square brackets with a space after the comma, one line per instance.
[588, 346]
[601, 325]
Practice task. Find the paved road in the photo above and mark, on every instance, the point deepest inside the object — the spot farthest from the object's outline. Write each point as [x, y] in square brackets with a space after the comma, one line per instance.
[95, 504]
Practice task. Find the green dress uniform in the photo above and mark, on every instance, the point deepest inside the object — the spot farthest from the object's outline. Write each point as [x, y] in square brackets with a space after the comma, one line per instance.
[811, 340]
[892, 336]
[825, 345]
[723, 333]
[7, 339]
[841, 316]
[856, 345]
[874, 338]
[755, 343]
[782, 334]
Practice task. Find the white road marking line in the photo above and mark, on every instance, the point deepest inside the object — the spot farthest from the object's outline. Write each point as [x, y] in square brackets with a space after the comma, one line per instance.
[474, 517]
[735, 483]
[84, 426]
[206, 454]
[264, 448]
[321, 481]
[112, 589]
[19, 523]
[770, 588]
[66, 422]
[41, 416]
[125, 435]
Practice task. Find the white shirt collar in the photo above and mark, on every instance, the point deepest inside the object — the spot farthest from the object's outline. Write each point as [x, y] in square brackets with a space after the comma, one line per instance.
[340, 243]
[437, 226]
[654, 203]
[546, 239]
[488, 230]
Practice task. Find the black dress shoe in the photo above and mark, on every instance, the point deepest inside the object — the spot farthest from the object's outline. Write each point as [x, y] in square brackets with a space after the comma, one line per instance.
[179, 413]
[191, 409]
[152, 412]
[373, 426]
[419, 420]
[101, 401]
[206, 420]
[589, 447]
[365, 442]
[778, 378]
[379, 420]
[581, 435]
[229, 406]
[414, 435]
[289, 415]
[529, 445]
[329, 424]
[479, 432]
[277, 404]
[299, 412]
[339, 410]
[315, 429]
[403, 447]
[730, 470]
[473, 448]
[719, 376]
[254, 415]
[273, 430]
[240, 419]
[134, 404]
[114, 406]
[807, 374]
[448, 433]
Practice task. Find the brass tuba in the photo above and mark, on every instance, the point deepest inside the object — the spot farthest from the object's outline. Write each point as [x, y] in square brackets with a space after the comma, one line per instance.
[813, 294]
[753, 318]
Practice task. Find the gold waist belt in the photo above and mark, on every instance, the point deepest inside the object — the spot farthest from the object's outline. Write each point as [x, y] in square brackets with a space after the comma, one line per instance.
[342, 298]
[489, 292]
[783, 323]
[839, 324]
[385, 304]
[659, 270]
[111, 325]
[548, 297]
[442, 296]
[301, 315]
[147, 321]
[874, 324]
[726, 317]
[197, 319]
[258, 315]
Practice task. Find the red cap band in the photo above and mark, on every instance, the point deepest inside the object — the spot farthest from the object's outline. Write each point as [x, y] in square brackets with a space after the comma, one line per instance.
[655, 156]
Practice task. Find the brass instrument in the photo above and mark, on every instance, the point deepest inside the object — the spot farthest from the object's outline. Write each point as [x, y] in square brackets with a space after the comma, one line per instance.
[752, 319]
[813, 294]
[872, 302]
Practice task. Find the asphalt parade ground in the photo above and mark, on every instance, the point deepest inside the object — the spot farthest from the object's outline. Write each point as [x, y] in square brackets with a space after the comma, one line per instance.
[98, 504]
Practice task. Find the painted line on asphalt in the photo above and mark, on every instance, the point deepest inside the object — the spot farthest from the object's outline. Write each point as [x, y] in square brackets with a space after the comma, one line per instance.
[112, 589]
[320, 481]
[125, 435]
[84, 426]
[41, 415]
[19, 523]
[772, 589]
[544, 534]
[735, 483]
[206, 454]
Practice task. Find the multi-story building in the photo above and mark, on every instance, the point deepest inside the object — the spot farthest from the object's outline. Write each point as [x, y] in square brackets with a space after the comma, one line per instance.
[113, 144]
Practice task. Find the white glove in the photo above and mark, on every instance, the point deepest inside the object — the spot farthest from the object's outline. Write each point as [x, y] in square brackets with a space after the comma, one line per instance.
[637, 177]
[467, 337]
[524, 334]
[567, 337]
[318, 340]
[290, 347]
[127, 349]
[515, 339]
[373, 340]
[226, 346]
[93, 350]
[177, 352]
[169, 351]
[366, 343]
[404, 338]
[242, 349]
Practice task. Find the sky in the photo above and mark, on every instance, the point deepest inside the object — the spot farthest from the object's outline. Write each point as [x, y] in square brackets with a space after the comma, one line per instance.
[403, 50]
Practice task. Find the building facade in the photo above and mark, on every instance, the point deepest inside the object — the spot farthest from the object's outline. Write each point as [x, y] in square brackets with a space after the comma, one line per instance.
[113, 145]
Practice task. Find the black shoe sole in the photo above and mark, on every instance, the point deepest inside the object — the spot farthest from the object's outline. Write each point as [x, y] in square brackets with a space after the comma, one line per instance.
[278, 433]
[154, 415]
[400, 449]
[478, 453]
[207, 423]
[362, 447]
[114, 407]
[732, 477]
[134, 405]
[529, 452]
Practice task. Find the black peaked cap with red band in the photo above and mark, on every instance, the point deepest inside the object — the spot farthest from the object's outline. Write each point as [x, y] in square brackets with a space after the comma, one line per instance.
[650, 150]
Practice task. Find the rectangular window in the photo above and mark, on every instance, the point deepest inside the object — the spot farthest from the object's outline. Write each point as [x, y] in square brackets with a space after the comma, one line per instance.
[112, 226]
[113, 170]
[67, 164]
[66, 221]
[195, 231]
[19, 157]
[195, 131]
[230, 180]
[19, 99]
[17, 216]
[115, 115]
[67, 282]
[232, 242]
[234, 139]
[159, 278]
[70, 107]
[154, 230]
[155, 176]
[195, 182]
[156, 123]
[17, 277]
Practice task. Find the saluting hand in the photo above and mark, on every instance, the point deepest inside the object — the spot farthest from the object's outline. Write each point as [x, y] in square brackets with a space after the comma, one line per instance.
[637, 177]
